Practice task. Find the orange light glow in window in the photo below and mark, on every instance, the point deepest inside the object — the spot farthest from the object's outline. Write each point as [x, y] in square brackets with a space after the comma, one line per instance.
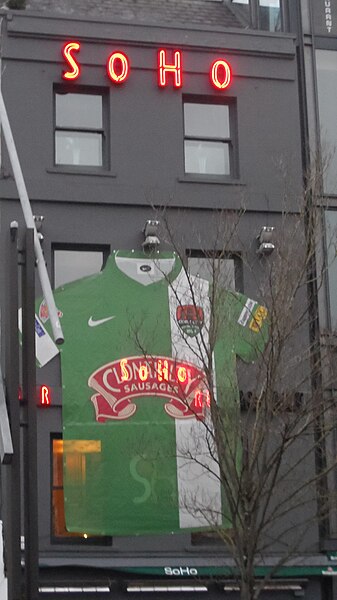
[118, 67]
[165, 68]
[67, 51]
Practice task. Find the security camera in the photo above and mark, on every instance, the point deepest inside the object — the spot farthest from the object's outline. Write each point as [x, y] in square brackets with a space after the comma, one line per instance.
[151, 241]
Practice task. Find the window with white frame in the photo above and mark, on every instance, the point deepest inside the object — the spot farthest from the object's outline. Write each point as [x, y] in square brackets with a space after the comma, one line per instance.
[209, 129]
[79, 129]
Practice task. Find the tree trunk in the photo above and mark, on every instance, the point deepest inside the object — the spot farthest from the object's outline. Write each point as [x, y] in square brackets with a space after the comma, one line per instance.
[247, 589]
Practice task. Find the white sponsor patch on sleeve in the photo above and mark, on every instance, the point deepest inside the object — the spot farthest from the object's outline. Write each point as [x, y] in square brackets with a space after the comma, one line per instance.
[45, 348]
[246, 312]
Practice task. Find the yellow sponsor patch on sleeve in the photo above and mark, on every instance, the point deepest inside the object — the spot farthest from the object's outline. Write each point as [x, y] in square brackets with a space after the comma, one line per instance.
[259, 316]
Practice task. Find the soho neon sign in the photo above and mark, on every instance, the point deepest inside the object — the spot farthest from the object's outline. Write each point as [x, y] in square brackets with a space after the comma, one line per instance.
[170, 69]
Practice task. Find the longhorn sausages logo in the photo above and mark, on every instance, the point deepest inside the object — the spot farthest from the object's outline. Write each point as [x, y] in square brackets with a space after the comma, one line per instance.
[119, 383]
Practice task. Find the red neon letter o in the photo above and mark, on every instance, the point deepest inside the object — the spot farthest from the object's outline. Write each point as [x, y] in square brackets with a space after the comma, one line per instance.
[124, 62]
[223, 82]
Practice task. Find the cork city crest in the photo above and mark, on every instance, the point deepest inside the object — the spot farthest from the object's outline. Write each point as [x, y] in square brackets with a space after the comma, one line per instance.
[44, 313]
[190, 319]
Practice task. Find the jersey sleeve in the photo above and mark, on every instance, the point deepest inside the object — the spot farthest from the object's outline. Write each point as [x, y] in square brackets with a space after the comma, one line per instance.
[249, 325]
[45, 347]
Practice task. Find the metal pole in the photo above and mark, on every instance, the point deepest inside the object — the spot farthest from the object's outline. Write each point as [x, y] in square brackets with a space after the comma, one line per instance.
[6, 442]
[12, 472]
[30, 431]
[29, 219]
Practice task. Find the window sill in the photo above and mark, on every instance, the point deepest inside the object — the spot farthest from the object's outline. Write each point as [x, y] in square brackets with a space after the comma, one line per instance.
[216, 179]
[64, 170]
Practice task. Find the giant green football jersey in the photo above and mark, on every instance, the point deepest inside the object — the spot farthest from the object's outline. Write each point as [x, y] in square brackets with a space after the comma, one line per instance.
[136, 403]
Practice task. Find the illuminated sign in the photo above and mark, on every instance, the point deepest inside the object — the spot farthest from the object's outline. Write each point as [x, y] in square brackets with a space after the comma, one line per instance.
[118, 67]
[169, 66]
[67, 53]
[179, 571]
[119, 383]
[221, 74]
[165, 69]
[44, 396]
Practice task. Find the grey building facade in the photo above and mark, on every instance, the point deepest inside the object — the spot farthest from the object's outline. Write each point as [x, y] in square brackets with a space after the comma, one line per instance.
[105, 101]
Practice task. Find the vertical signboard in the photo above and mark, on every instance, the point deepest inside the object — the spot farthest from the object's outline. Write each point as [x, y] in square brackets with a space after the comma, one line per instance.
[324, 17]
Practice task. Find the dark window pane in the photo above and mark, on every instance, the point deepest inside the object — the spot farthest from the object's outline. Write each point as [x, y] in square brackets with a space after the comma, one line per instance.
[326, 61]
[221, 271]
[331, 240]
[211, 158]
[79, 111]
[70, 265]
[206, 120]
[78, 148]
[270, 15]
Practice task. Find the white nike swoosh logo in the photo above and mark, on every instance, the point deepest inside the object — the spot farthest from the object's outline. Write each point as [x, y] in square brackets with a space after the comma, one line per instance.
[94, 323]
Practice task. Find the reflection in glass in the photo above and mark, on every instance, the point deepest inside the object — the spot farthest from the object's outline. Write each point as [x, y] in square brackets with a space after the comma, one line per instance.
[78, 148]
[331, 241]
[211, 158]
[70, 265]
[326, 61]
[82, 111]
[206, 120]
[270, 15]
[222, 270]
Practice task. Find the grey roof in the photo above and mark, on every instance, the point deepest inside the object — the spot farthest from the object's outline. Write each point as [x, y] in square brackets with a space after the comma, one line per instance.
[180, 12]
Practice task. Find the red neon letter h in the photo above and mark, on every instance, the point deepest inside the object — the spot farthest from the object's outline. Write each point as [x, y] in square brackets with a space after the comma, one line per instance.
[174, 69]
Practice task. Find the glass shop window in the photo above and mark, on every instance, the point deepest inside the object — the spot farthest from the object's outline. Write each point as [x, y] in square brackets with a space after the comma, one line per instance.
[76, 464]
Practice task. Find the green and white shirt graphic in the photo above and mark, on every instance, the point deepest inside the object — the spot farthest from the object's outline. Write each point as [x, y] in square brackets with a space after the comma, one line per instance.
[135, 401]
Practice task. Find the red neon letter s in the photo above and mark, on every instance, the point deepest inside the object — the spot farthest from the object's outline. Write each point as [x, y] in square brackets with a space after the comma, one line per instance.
[67, 55]
[174, 69]
[222, 82]
[123, 70]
